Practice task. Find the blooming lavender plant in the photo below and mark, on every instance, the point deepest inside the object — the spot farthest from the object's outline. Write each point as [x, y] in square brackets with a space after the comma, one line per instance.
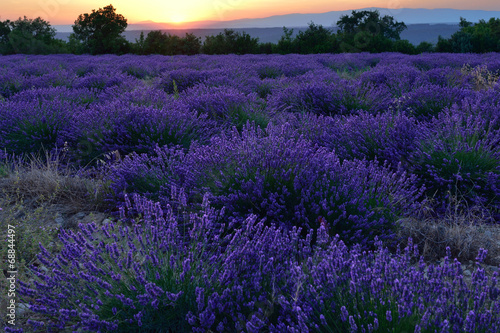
[290, 181]
[270, 259]
[32, 126]
[159, 274]
[128, 128]
[459, 159]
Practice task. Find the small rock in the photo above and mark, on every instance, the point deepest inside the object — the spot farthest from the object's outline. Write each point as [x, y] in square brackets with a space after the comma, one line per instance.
[80, 215]
[491, 268]
[70, 224]
[106, 221]
[60, 221]
[22, 309]
[467, 273]
[94, 217]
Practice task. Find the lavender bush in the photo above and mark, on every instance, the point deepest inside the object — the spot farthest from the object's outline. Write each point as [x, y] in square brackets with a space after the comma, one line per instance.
[290, 151]
[33, 126]
[158, 275]
[459, 158]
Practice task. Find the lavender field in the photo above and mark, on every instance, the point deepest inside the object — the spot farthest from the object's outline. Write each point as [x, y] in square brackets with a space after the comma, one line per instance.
[261, 193]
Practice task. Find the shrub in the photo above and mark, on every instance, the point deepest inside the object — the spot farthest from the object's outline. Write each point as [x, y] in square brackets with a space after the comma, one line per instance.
[426, 102]
[223, 104]
[151, 175]
[179, 80]
[398, 78]
[127, 128]
[289, 181]
[30, 127]
[100, 81]
[342, 97]
[74, 96]
[459, 158]
[384, 137]
[155, 275]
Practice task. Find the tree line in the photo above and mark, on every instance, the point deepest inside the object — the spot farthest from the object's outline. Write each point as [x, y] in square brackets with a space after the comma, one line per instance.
[100, 32]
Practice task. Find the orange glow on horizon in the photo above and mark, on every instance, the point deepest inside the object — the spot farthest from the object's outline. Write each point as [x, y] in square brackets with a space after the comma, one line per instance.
[66, 11]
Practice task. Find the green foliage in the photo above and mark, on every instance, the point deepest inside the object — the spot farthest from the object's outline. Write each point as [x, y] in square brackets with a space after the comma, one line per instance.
[229, 41]
[364, 41]
[404, 46]
[316, 39]
[285, 43]
[480, 37]
[4, 31]
[29, 36]
[100, 31]
[157, 42]
[425, 47]
[190, 44]
[461, 42]
[443, 45]
[139, 47]
[267, 48]
[366, 31]
[29, 231]
[372, 23]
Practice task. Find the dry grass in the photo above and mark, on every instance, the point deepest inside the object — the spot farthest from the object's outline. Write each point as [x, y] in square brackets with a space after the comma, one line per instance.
[464, 231]
[483, 78]
[47, 180]
[34, 193]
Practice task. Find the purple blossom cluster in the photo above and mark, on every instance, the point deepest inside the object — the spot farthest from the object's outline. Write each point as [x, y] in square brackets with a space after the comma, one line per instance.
[170, 272]
[308, 162]
[280, 176]
[381, 107]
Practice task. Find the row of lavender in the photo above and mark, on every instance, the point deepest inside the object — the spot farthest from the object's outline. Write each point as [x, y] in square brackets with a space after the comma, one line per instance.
[338, 144]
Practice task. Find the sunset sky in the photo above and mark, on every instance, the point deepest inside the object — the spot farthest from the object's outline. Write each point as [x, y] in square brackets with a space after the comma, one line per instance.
[66, 11]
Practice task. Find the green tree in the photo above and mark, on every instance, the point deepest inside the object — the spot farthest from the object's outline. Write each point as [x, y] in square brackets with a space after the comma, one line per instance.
[4, 37]
[285, 44]
[267, 48]
[480, 37]
[190, 44]
[230, 41]
[156, 42]
[100, 31]
[425, 47]
[404, 46]
[461, 42]
[316, 39]
[443, 45]
[162, 43]
[464, 23]
[368, 31]
[139, 46]
[4, 31]
[244, 44]
[371, 22]
[29, 36]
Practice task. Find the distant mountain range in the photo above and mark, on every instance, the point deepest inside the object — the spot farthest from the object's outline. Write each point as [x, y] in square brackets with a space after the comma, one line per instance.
[423, 24]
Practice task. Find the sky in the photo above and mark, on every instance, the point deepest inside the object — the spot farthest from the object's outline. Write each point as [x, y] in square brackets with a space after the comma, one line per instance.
[178, 11]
